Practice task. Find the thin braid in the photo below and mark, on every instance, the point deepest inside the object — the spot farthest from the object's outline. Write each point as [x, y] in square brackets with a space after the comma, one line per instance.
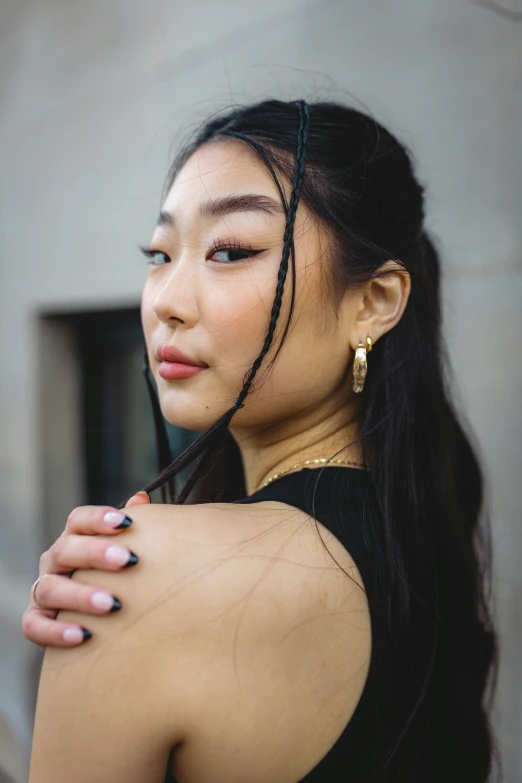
[205, 445]
[276, 307]
[288, 238]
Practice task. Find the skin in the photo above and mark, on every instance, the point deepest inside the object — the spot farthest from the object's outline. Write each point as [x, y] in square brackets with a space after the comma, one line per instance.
[204, 644]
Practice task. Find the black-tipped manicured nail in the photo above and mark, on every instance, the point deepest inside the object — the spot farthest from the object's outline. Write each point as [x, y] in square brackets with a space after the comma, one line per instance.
[116, 605]
[127, 522]
[133, 559]
[86, 634]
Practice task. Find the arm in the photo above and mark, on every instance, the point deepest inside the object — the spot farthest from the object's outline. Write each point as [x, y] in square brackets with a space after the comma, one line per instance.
[101, 713]
[176, 667]
[215, 653]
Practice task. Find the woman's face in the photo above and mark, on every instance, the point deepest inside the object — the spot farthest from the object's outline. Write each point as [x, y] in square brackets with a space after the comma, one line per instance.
[214, 304]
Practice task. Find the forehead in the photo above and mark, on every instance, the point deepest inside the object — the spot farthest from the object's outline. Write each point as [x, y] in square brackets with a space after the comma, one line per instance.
[223, 167]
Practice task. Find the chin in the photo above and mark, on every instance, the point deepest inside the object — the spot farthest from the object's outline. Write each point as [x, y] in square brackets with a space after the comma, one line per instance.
[193, 405]
[191, 415]
[197, 423]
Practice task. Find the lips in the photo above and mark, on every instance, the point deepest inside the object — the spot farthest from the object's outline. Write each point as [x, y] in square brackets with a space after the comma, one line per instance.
[168, 353]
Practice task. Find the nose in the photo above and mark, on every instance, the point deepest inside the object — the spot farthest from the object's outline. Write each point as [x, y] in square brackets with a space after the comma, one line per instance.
[175, 301]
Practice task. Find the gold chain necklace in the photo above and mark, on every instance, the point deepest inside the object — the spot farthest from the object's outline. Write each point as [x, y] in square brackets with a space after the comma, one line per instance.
[320, 461]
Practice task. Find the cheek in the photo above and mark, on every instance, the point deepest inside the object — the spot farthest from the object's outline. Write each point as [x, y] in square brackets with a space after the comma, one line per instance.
[235, 316]
[314, 359]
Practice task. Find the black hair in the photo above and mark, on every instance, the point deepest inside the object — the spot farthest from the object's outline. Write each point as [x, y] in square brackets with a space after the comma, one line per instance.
[429, 526]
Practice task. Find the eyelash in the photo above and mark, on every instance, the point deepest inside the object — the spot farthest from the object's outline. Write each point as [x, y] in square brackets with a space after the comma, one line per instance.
[218, 246]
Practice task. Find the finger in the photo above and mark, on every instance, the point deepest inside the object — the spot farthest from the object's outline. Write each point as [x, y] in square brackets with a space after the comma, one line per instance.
[139, 499]
[70, 552]
[41, 629]
[58, 592]
[95, 520]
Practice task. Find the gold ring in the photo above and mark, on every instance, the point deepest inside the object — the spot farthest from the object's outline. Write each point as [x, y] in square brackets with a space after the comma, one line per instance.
[33, 591]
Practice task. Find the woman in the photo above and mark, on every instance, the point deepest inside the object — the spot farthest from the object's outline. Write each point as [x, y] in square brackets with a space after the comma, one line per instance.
[320, 614]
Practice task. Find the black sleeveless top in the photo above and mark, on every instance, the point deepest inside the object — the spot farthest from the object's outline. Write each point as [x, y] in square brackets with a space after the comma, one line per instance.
[336, 497]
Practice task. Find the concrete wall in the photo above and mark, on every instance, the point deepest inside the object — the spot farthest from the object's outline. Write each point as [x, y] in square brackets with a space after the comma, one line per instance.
[93, 98]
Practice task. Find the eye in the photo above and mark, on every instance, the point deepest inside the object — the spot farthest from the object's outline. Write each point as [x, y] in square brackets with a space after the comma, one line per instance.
[150, 253]
[234, 249]
[237, 252]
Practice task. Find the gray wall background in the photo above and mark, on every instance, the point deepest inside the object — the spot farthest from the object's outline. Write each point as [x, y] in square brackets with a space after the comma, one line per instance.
[94, 98]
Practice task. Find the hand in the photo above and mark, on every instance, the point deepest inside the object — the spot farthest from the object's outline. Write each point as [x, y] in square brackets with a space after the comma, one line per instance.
[77, 547]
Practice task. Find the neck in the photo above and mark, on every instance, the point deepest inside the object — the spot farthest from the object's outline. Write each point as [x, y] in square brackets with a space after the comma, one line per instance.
[325, 430]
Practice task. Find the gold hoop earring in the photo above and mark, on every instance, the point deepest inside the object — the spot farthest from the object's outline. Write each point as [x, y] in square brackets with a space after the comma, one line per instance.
[360, 365]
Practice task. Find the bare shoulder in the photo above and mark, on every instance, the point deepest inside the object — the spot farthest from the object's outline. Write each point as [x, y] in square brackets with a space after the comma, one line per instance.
[264, 640]
[268, 546]
[174, 541]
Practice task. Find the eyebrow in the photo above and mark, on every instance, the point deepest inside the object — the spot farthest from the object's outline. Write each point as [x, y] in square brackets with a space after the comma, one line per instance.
[248, 202]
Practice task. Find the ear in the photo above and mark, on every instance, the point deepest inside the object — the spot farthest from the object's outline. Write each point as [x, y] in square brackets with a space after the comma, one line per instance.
[379, 304]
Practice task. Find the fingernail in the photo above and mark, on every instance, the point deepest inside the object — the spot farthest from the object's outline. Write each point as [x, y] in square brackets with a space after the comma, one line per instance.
[117, 520]
[76, 634]
[120, 556]
[133, 559]
[105, 601]
[142, 492]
